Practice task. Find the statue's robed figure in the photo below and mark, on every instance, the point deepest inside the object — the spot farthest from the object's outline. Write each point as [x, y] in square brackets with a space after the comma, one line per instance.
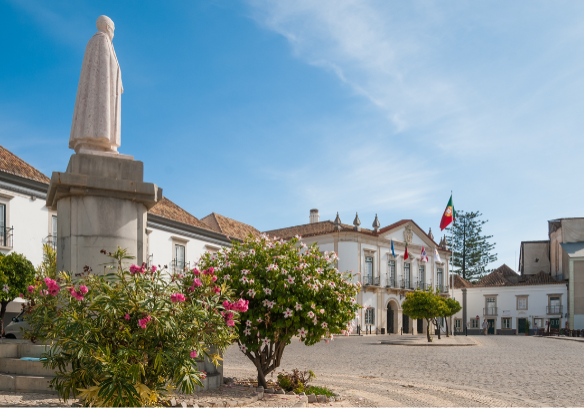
[97, 114]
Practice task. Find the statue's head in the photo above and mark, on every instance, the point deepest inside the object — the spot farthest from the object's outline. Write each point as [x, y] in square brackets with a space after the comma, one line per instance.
[106, 25]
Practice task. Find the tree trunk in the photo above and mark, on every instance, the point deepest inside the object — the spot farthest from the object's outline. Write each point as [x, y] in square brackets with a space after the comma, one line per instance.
[428, 330]
[438, 327]
[2, 312]
[266, 361]
[446, 321]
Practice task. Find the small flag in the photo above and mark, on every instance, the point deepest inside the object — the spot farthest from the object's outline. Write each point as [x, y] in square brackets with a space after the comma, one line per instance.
[406, 253]
[437, 256]
[424, 255]
[392, 250]
[449, 215]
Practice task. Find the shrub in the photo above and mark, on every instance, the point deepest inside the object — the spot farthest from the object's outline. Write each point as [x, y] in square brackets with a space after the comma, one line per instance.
[296, 380]
[292, 290]
[16, 274]
[319, 390]
[130, 337]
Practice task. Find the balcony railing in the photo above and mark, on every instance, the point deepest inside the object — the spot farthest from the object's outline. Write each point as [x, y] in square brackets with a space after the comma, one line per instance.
[406, 284]
[370, 280]
[6, 236]
[490, 311]
[442, 288]
[51, 240]
[178, 266]
[553, 309]
[391, 282]
[422, 285]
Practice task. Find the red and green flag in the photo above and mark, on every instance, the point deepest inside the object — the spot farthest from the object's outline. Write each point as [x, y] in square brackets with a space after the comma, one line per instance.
[449, 215]
[406, 255]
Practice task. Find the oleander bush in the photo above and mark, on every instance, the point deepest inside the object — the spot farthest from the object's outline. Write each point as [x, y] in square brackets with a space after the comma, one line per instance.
[293, 290]
[132, 336]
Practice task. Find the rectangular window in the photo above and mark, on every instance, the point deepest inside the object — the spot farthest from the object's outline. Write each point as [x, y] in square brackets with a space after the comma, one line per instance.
[369, 270]
[522, 303]
[491, 306]
[538, 322]
[369, 316]
[555, 306]
[179, 257]
[422, 277]
[474, 323]
[2, 224]
[439, 278]
[457, 323]
[407, 275]
[506, 323]
[54, 226]
[391, 273]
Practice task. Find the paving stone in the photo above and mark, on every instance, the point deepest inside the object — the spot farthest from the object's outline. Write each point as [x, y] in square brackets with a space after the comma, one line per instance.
[311, 398]
[280, 392]
[270, 390]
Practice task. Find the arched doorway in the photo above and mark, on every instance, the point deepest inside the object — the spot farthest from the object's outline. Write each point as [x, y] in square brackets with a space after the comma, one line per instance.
[390, 329]
[406, 324]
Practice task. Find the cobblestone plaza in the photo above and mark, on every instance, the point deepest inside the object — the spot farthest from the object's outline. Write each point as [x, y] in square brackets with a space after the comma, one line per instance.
[500, 371]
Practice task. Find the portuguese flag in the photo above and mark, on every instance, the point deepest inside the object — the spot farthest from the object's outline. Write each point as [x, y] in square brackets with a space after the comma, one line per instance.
[449, 215]
[406, 255]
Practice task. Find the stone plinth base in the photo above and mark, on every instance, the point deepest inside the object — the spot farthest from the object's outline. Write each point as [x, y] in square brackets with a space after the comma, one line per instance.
[101, 203]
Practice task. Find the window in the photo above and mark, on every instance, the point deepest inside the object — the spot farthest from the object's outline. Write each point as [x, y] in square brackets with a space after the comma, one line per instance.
[506, 323]
[474, 323]
[439, 278]
[422, 277]
[538, 322]
[2, 224]
[54, 226]
[521, 303]
[457, 323]
[391, 273]
[491, 306]
[407, 275]
[179, 257]
[368, 277]
[369, 316]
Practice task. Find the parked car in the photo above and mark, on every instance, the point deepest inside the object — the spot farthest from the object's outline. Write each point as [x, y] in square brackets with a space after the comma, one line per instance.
[16, 328]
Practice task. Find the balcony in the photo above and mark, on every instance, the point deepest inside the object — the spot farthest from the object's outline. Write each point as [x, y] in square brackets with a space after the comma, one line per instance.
[179, 266]
[422, 285]
[442, 288]
[490, 311]
[6, 234]
[553, 309]
[370, 280]
[406, 284]
[51, 240]
[391, 282]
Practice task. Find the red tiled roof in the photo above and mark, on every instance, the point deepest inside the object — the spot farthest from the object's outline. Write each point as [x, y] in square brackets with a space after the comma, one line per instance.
[504, 276]
[10, 163]
[229, 227]
[459, 282]
[313, 229]
[540, 278]
[169, 210]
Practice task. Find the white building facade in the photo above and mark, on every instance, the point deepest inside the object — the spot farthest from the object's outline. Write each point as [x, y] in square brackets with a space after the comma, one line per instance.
[385, 278]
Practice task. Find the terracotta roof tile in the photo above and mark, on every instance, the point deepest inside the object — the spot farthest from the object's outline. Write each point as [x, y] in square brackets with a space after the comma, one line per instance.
[169, 210]
[313, 229]
[502, 276]
[10, 163]
[540, 278]
[229, 227]
[459, 282]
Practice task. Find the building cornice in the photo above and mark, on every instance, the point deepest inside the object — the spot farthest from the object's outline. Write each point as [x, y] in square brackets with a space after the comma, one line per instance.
[174, 227]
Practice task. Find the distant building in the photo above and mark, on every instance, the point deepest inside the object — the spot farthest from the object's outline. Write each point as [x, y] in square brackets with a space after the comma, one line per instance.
[507, 300]
[385, 279]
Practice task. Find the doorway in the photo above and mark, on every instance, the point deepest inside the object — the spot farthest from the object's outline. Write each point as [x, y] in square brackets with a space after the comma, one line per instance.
[420, 326]
[555, 323]
[491, 329]
[406, 324]
[389, 319]
[521, 325]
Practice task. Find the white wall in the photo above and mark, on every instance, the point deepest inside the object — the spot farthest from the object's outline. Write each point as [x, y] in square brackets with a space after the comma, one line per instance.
[506, 302]
[31, 222]
[160, 245]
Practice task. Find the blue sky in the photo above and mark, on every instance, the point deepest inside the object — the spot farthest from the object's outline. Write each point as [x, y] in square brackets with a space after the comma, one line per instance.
[261, 110]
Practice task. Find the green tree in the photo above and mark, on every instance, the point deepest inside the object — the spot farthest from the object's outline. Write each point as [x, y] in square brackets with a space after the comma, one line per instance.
[451, 307]
[131, 336]
[16, 274]
[423, 305]
[471, 250]
[293, 290]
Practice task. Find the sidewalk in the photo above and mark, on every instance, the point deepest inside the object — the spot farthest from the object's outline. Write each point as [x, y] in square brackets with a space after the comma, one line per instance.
[422, 341]
[565, 338]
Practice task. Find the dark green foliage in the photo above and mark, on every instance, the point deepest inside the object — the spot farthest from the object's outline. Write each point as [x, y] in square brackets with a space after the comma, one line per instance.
[16, 274]
[471, 251]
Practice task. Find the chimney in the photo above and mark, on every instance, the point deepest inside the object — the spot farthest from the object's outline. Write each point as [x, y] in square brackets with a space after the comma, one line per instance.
[314, 216]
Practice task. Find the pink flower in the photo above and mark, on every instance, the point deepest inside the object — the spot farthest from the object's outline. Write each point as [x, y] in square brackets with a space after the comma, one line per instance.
[134, 269]
[144, 321]
[197, 282]
[178, 297]
[214, 278]
[153, 269]
[21, 295]
[217, 290]
[127, 317]
[203, 375]
[31, 289]
[210, 270]
[230, 323]
[193, 354]
[83, 289]
[44, 292]
[196, 271]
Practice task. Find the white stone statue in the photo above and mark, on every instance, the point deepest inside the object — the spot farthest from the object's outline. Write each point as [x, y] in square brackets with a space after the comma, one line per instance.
[96, 117]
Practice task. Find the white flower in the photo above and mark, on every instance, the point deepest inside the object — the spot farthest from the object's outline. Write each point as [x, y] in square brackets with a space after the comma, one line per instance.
[324, 324]
[268, 291]
[252, 252]
[302, 332]
[251, 292]
[259, 320]
[298, 237]
[245, 272]
[313, 306]
[319, 270]
[353, 301]
[251, 281]
[271, 304]
[298, 307]
[227, 277]
[265, 341]
[303, 245]
[272, 267]
[315, 321]
[248, 323]
[288, 313]
[284, 271]
[6, 288]
[290, 279]
[243, 348]
[243, 279]
[321, 311]
[247, 332]
[310, 314]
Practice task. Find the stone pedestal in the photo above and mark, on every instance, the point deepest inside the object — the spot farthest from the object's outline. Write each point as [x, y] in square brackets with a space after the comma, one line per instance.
[101, 203]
